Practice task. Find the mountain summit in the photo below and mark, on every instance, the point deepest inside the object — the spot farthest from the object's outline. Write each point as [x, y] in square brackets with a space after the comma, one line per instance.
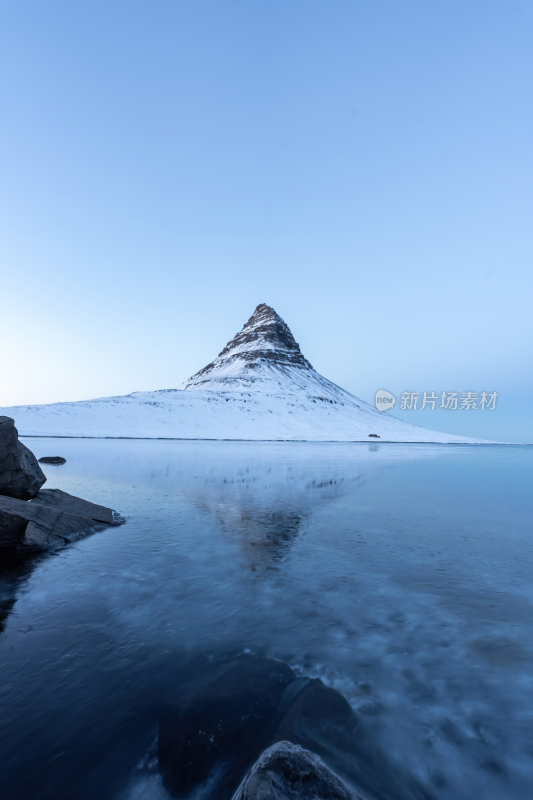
[265, 341]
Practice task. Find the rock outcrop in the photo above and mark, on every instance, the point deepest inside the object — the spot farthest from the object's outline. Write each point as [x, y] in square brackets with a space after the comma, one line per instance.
[20, 473]
[48, 522]
[287, 771]
[33, 521]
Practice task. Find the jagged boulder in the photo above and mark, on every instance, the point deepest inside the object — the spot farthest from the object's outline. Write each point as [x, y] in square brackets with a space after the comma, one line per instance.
[287, 771]
[20, 473]
[48, 522]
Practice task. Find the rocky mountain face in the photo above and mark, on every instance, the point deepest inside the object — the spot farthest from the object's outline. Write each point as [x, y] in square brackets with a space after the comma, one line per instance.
[264, 341]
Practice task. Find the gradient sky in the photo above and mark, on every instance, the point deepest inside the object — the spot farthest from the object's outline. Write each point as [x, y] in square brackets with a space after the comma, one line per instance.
[364, 167]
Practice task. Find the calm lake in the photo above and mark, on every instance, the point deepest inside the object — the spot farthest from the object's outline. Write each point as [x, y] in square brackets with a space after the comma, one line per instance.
[399, 574]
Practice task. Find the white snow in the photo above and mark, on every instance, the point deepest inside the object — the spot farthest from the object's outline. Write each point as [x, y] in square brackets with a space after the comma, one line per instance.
[281, 403]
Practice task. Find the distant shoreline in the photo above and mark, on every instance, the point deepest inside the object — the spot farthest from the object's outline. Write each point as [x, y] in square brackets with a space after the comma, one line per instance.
[271, 441]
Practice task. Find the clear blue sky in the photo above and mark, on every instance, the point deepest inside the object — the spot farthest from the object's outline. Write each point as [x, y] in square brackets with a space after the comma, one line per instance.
[364, 167]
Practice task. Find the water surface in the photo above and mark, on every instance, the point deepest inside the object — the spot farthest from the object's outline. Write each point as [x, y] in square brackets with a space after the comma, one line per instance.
[399, 574]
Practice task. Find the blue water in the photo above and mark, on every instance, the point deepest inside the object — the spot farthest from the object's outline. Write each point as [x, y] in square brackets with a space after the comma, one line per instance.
[399, 574]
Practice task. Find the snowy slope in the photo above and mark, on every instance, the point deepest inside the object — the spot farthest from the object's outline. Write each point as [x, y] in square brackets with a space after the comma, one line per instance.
[259, 387]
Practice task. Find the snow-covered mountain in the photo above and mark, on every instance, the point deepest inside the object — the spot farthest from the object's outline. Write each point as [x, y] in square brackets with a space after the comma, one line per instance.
[260, 386]
[262, 350]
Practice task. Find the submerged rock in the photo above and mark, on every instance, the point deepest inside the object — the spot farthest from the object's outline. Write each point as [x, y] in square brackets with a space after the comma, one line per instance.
[55, 460]
[287, 771]
[225, 720]
[53, 519]
[229, 711]
[234, 709]
[20, 473]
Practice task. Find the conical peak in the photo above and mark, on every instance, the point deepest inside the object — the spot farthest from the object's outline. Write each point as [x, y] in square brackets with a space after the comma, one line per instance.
[266, 336]
[264, 310]
[264, 340]
[263, 315]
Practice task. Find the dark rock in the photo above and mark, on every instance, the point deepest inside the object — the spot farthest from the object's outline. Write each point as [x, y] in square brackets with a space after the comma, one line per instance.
[321, 720]
[222, 726]
[288, 772]
[317, 717]
[20, 473]
[231, 710]
[55, 460]
[237, 708]
[48, 522]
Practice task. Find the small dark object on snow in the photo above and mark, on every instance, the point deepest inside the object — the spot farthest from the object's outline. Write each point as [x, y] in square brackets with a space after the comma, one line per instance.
[56, 460]
[375, 435]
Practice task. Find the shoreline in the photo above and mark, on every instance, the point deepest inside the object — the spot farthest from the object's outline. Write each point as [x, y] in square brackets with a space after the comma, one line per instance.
[281, 441]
